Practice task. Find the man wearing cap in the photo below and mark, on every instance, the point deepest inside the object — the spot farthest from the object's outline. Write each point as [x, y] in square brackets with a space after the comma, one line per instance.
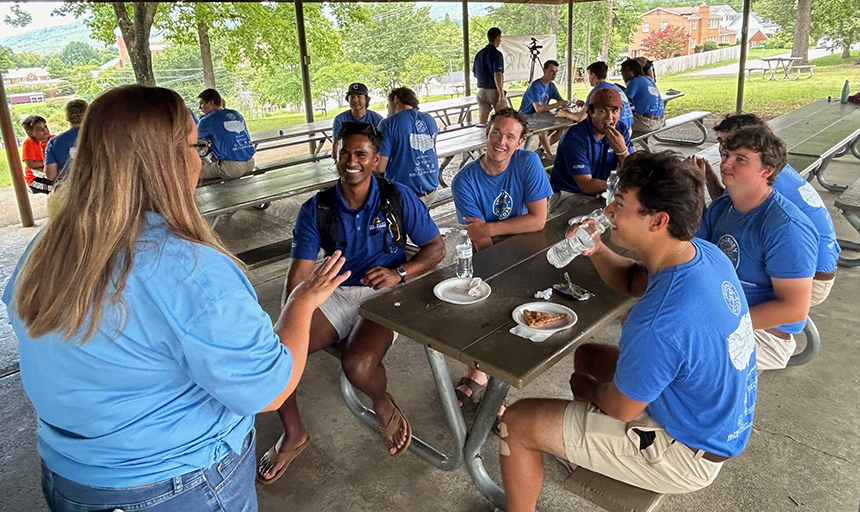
[589, 151]
[538, 98]
[358, 99]
[597, 72]
[226, 131]
[408, 153]
[489, 69]
[645, 97]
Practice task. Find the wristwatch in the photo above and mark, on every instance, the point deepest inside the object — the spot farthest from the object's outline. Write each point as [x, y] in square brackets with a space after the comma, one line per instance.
[402, 273]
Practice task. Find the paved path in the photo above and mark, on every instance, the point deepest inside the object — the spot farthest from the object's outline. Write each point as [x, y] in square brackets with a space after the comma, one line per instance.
[732, 69]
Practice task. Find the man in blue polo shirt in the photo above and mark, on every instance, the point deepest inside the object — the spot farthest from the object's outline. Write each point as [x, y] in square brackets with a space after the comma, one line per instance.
[666, 407]
[796, 189]
[489, 69]
[589, 151]
[61, 149]
[358, 98]
[597, 72]
[538, 98]
[772, 245]
[645, 97]
[373, 243]
[226, 131]
[408, 153]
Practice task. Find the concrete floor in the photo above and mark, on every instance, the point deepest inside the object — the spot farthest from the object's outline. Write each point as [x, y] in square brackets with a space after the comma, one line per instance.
[804, 453]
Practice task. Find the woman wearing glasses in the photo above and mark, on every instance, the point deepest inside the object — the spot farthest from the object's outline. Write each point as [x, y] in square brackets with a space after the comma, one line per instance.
[142, 348]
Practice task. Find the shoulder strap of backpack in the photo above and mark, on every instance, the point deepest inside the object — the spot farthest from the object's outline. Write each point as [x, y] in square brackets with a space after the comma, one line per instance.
[389, 203]
[327, 223]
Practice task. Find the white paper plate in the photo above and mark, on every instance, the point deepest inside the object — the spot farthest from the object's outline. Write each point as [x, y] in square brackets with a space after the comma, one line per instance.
[454, 291]
[546, 307]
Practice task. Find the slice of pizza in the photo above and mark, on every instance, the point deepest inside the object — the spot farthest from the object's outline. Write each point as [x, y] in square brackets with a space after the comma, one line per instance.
[541, 318]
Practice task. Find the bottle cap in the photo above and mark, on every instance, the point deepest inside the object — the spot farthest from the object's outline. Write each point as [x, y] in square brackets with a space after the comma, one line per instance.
[464, 232]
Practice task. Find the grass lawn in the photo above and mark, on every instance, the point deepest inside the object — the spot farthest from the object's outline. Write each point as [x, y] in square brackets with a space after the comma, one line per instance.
[5, 176]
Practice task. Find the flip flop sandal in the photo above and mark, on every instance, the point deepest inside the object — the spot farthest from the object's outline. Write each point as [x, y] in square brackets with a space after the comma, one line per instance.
[473, 386]
[496, 423]
[288, 457]
[393, 427]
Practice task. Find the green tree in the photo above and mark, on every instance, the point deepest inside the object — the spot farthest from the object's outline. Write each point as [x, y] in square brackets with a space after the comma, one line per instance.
[839, 19]
[331, 80]
[419, 69]
[26, 59]
[6, 58]
[57, 68]
[76, 53]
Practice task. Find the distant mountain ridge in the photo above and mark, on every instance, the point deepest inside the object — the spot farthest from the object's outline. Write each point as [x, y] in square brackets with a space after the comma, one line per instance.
[43, 41]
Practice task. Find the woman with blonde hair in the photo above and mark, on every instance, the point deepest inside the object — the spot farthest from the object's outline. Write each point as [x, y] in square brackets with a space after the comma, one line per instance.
[142, 346]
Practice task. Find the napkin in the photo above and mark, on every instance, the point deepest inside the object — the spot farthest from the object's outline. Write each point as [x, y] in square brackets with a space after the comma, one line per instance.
[529, 333]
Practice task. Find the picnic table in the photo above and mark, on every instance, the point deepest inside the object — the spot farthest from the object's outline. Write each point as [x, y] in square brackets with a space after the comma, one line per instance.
[455, 110]
[479, 334]
[849, 203]
[775, 63]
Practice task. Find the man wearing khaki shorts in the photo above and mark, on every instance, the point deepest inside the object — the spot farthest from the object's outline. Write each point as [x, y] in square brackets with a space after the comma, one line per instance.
[489, 69]
[676, 397]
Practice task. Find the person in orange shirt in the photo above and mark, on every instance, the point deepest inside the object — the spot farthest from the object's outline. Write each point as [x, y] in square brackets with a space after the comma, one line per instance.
[33, 153]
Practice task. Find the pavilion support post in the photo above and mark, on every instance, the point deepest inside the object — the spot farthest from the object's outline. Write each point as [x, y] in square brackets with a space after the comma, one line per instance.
[467, 79]
[570, 71]
[739, 106]
[305, 61]
[24, 210]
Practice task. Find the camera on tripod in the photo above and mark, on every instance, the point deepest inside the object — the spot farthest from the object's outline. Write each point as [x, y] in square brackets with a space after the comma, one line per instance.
[534, 47]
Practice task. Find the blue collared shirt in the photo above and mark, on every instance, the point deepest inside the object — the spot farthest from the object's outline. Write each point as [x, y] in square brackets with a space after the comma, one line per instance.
[170, 387]
[346, 117]
[488, 62]
[580, 153]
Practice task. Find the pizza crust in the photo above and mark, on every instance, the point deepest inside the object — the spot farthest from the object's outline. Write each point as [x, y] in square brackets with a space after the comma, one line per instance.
[541, 318]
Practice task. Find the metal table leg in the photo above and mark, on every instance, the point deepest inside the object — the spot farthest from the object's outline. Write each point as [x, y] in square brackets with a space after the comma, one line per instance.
[819, 174]
[854, 219]
[493, 398]
[680, 142]
[456, 423]
[855, 147]
[813, 345]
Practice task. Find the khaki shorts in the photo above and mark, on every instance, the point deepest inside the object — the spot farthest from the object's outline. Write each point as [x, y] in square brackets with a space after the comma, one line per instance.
[642, 124]
[820, 290]
[430, 198]
[610, 447]
[562, 201]
[227, 169]
[772, 352]
[341, 308]
[487, 98]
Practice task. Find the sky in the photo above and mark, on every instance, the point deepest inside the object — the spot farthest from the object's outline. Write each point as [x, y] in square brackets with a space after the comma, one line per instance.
[41, 12]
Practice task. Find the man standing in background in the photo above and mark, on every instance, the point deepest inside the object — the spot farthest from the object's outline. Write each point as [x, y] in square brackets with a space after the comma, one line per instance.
[489, 69]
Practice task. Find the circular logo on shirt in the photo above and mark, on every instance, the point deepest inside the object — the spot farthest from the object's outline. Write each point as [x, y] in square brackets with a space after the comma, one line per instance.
[230, 115]
[742, 343]
[732, 298]
[730, 248]
[810, 196]
[503, 205]
[420, 126]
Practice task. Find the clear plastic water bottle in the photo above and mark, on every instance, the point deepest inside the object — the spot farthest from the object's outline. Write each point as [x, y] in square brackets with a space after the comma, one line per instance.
[464, 255]
[611, 186]
[562, 253]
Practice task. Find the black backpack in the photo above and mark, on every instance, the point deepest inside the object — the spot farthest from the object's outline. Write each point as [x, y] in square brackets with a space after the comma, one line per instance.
[390, 211]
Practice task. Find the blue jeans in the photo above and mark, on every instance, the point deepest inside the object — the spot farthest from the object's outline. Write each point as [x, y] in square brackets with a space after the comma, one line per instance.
[228, 486]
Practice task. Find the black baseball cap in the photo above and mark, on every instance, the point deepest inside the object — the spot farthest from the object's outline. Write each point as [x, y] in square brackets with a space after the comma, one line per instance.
[357, 88]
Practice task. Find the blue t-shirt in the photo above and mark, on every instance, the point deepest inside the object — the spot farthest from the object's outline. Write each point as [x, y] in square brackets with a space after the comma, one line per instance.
[626, 116]
[643, 93]
[773, 240]
[175, 389]
[540, 93]
[688, 349]
[494, 198]
[580, 153]
[193, 115]
[346, 117]
[802, 194]
[60, 150]
[225, 129]
[409, 142]
[488, 61]
[364, 232]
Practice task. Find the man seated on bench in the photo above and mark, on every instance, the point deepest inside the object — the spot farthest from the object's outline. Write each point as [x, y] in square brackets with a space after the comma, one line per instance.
[538, 98]
[663, 409]
[368, 218]
[226, 131]
[645, 97]
[770, 242]
[408, 154]
[589, 151]
[502, 193]
[796, 189]
[358, 98]
[597, 73]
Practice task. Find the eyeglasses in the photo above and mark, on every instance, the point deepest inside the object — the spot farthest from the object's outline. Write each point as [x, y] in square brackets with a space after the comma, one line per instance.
[202, 147]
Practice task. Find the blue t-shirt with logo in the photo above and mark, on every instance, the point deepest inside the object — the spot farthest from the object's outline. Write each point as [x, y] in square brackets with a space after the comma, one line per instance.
[802, 194]
[346, 117]
[688, 350]
[409, 142]
[488, 61]
[169, 388]
[644, 95]
[773, 240]
[580, 153]
[60, 150]
[495, 198]
[225, 129]
[626, 116]
[364, 231]
[537, 92]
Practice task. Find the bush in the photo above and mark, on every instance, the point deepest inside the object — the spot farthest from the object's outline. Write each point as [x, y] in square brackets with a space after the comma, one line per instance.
[698, 48]
[710, 46]
[723, 45]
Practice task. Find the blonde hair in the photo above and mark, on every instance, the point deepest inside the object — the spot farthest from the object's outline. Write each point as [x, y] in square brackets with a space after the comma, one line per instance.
[132, 158]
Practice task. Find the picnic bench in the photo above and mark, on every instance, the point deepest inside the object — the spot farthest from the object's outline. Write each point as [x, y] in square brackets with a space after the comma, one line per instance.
[694, 117]
[849, 203]
[774, 64]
